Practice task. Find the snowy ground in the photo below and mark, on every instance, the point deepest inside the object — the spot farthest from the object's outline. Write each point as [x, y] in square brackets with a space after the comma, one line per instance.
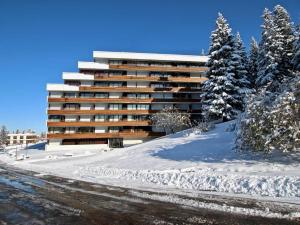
[184, 162]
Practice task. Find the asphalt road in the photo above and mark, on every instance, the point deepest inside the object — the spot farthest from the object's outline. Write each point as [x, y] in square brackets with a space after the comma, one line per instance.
[29, 199]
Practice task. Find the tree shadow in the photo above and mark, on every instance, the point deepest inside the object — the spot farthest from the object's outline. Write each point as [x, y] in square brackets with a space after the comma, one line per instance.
[214, 149]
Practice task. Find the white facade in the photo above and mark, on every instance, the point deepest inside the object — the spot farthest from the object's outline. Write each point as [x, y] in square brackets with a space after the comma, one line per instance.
[22, 138]
[91, 107]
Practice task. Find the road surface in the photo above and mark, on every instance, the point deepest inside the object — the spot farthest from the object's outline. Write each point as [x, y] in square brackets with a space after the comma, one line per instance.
[26, 198]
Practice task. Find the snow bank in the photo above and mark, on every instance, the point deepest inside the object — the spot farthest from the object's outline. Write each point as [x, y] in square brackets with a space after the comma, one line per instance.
[203, 180]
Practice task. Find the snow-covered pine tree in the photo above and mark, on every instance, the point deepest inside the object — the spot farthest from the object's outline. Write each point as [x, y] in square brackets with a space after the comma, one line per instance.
[252, 62]
[221, 98]
[265, 61]
[283, 44]
[239, 64]
[275, 49]
[271, 120]
[3, 136]
[296, 58]
[241, 48]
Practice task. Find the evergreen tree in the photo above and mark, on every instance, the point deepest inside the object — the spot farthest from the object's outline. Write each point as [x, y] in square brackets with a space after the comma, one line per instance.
[296, 58]
[265, 60]
[239, 63]
[3, 136]
[221, 98]
[275, 49]
[283, 41]
[241, 48]
[252, 63]
[271, 120]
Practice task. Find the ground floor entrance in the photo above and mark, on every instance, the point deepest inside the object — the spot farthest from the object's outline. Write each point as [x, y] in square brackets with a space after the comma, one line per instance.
[115, 143]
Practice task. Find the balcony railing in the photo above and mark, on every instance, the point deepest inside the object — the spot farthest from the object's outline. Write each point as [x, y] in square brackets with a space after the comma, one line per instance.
[110, 112]
[150, 78]
[152, 89]
[106, 123]
[121, 134]
[158, 67]
[125, 100]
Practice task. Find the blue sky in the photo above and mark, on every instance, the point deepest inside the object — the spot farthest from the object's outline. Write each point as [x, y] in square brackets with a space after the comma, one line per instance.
[41, 39]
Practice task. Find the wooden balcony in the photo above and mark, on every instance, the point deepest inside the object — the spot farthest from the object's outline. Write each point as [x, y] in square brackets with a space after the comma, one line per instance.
[149, 78]
[108, 112]
[99, 124]
[122, 134]
[159, 68]
[140, 89]
[100, 112]
[124, 100]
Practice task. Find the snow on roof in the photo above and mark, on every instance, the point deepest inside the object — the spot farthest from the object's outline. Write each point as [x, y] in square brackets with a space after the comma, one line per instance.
[21, 134]
[149, 56]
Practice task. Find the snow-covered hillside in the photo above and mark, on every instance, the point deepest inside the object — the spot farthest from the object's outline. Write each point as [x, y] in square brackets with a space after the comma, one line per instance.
[183, 161]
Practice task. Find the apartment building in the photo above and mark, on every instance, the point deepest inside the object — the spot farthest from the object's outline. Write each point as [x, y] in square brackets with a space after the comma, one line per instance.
[22, 138]
[108, 103]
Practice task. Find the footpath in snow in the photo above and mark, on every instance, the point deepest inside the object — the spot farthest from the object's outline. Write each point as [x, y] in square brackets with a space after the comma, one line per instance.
[184, 161]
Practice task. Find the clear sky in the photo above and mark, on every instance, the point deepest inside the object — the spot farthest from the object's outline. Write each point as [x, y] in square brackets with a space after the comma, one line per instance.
[40, 39]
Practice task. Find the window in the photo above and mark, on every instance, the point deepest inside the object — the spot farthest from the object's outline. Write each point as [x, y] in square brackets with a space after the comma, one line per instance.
[115, 62]
[101, 84]
[101, 95]
[73, 82]
[70, 130]
[71, 106]
[115, 84]
[114, 129]
[167, 95]
[158, 85]
[115, 73]
[55, 94]
[86, 130]
[100, 118]
[70, 95]
[86, 95]
[131, 107]
[131, 95]
[115, 118]
[142, 96]
[142, 107]
[56, 130]
[55, 118]
[137, 117]
[115, 106]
